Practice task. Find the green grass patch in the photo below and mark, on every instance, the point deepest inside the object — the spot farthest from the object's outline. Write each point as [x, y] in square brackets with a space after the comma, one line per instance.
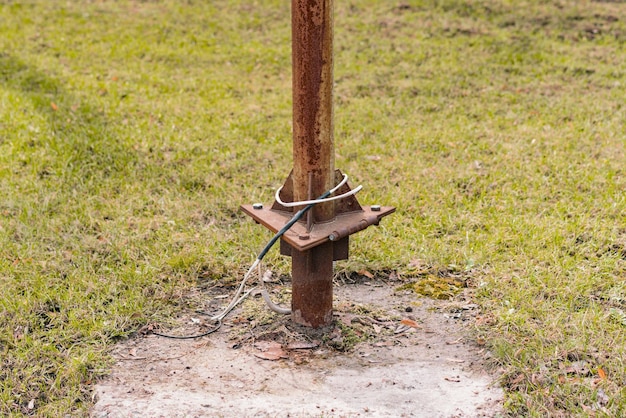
[131, 131]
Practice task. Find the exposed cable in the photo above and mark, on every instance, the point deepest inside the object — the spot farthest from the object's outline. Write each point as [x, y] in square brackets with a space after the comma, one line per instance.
[237, 299]
[271, 243]
[265, 294]
[319, 200]
[189, 337]
[328, 199]
[276, 308]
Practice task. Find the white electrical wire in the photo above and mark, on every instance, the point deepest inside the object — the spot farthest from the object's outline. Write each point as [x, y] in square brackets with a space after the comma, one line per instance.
[328, 199]
[343, 181]
[266, 296]
[237, 299]
[276, 308]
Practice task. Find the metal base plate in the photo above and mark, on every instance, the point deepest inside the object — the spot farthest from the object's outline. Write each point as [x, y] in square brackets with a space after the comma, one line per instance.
[342, 226]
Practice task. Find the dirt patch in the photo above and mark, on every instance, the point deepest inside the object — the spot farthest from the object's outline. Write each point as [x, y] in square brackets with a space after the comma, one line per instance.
[389, 353]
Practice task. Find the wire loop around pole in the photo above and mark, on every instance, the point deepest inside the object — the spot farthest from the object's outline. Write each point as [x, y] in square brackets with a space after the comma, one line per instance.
[316, 201]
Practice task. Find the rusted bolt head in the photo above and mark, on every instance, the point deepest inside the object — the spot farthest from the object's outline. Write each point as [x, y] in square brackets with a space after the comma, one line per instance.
[375, 208]
[257, 206]
[304, 237]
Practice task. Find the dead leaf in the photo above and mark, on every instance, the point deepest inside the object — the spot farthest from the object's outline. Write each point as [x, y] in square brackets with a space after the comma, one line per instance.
[31, 404]
[54, 106]
[366, 274]
[410, 323]
[273, 351]
[133, 352]
[270, 350]
[601, 373]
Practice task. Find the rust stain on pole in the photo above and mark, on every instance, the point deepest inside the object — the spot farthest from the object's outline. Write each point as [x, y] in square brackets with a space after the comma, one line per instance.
[313, 152]
[312, 286]
[312, 62]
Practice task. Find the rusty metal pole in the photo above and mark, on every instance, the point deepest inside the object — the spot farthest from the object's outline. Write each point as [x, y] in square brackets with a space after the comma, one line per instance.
[324, 237]
[313, 153]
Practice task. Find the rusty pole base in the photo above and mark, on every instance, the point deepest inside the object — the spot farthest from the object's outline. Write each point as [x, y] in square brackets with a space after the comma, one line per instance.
[312, 286]
[313, 251]
[313, 254]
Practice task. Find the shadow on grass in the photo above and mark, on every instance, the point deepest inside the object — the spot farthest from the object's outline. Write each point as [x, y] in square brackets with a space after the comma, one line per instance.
[80, 145]
[60, 150]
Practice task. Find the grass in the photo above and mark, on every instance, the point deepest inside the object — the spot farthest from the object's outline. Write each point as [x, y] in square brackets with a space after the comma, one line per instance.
[131, 131]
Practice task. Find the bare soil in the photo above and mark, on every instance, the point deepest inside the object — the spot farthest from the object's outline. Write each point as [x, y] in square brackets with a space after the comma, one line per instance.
[389, 353]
